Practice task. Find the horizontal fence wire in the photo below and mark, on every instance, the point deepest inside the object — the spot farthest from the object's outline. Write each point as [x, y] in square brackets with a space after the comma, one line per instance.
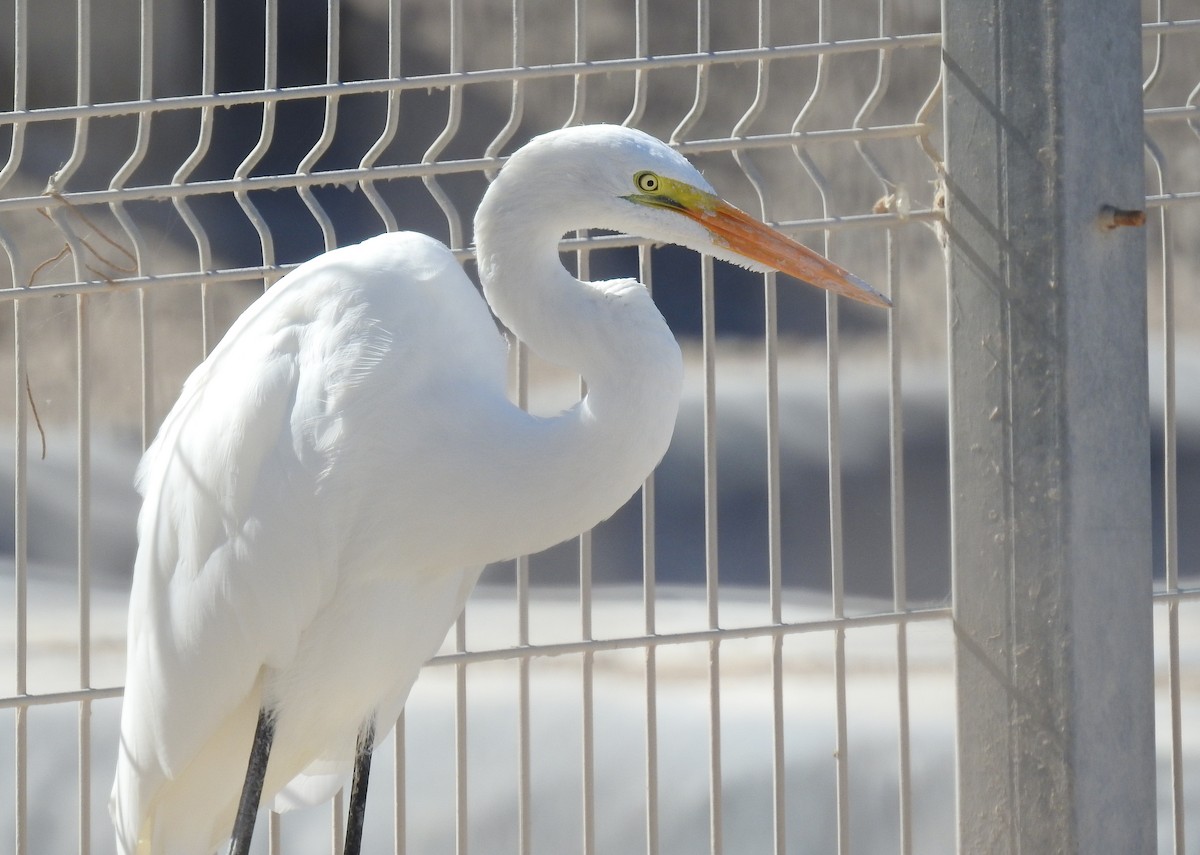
[578, 69]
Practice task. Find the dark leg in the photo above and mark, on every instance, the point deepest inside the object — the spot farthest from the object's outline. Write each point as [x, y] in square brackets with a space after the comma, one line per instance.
[243, 826]
[358, 789]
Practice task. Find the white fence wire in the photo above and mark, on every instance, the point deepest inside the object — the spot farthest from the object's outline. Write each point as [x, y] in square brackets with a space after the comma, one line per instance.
[754, 655]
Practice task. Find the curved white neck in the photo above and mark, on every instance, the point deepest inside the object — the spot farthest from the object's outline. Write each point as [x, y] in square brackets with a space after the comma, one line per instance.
[593, 457]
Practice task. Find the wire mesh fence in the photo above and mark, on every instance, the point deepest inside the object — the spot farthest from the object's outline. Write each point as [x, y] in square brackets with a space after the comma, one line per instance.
[1172, 114]
[755, 654]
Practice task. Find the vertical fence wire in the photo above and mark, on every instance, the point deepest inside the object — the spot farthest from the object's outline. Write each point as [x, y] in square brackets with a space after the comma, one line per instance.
[774, 518]
[20, 451]
[462, 823]
[266, 137]
[519, 358]
[1170, 500]
[333, 41]
[641, 48]
[711, 567]
[391, 123]
[587, 727]
[895, 436]
[775, 562]
[83, 552]
[208, 333]
[337, 825]
[524, 707]
[579, 83]
[20, 584]
[449, 130]
[20, 471]
[83, 456]
[130, 227]
[587, 773]
[833, 426]
[83, 506]
[899, 547]
[266, 243]
[649, 620]
[1161, 181]
[399, 789]
[700, 96]
[516, 104]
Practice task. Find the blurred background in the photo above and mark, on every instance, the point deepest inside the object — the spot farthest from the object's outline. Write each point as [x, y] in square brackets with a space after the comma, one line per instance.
[840, 179]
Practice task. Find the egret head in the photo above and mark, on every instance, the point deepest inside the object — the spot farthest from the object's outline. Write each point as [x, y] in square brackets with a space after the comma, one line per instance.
[618, 178]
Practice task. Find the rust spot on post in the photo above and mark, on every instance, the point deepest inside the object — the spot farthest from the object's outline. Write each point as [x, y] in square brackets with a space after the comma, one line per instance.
[1111, 218]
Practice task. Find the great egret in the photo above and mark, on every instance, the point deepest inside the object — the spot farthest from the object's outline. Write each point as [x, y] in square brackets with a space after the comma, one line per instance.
[320, 500]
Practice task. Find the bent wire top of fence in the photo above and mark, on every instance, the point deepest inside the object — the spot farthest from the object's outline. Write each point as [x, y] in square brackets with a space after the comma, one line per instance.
[185, 168]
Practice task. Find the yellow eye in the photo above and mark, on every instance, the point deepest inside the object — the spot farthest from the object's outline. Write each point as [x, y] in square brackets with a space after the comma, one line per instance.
[647, 182]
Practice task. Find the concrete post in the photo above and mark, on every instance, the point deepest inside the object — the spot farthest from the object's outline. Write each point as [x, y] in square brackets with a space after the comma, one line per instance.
[1049, 424]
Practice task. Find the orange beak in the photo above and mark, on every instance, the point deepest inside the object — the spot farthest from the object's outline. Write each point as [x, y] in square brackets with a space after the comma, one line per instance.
[746, 236]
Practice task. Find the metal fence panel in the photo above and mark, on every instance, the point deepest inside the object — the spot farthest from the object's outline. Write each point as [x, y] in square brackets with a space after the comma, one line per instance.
[760, 641]
[1171, 89]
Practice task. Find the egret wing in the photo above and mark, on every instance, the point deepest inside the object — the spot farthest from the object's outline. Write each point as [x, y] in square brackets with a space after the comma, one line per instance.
[239, 544]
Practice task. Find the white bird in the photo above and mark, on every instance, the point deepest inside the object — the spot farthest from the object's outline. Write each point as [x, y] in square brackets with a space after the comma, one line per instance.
[319, 502]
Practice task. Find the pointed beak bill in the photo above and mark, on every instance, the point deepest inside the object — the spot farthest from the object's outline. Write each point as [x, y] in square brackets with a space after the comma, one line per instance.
[746, 236]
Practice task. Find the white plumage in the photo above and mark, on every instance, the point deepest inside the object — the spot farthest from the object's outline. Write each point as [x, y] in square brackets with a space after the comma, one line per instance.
[320, 500]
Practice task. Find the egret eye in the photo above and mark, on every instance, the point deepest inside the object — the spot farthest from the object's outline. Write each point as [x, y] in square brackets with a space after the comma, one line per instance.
[647, 182]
